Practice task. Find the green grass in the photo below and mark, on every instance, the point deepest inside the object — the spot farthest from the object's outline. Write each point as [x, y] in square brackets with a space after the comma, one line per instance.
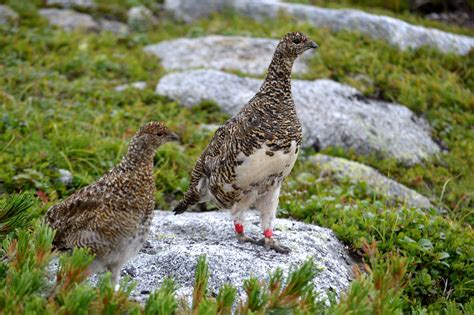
[59, 110]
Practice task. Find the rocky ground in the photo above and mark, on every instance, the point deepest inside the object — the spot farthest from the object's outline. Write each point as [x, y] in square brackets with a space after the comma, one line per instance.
[332, 115]
[175, 243]
[396, 32]
[385, 108]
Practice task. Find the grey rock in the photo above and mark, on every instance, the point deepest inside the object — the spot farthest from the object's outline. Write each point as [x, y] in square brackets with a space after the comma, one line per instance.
[179, 240]
[332, 114]
[396, 32]
[7, 15]
[141, 19]
[190, 11]
[140, 85]
[354, 172]
[209, 127]
[70, 20]
[176, 242]
[246, 54]
[86, 4]
[65, 177]
[113, 27]
[130, 271]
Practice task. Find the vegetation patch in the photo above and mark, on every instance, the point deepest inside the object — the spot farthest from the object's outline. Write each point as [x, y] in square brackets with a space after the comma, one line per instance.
[59, 110]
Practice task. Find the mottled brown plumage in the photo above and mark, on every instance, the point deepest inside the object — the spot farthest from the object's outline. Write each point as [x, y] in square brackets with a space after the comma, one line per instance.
[112, 216]
[251, 154]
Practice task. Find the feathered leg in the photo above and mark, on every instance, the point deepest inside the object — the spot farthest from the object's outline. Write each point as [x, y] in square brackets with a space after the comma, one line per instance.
[267, 205]
[238, 214]
[115, 270]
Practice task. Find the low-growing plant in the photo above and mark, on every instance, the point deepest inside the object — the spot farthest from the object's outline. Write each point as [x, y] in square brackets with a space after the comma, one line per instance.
[439, 251]
[59, 111]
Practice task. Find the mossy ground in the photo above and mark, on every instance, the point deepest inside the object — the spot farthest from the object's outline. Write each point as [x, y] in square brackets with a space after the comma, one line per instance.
[60, 111]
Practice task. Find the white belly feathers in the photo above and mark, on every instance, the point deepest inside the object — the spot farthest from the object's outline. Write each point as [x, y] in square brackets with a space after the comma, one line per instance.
[258, 167]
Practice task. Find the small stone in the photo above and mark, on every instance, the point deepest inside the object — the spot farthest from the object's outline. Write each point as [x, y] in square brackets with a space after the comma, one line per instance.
[65, 177]
[140, 85]
[113, 27]
[70, 20]
[433, 16]
[364, 79]
[131, 271]
[141, 19]
[356, 173]
[86, 4]
[7, 15]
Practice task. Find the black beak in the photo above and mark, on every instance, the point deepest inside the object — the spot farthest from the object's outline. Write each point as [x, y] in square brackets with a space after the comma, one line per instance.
[312, 44]
[172, 137]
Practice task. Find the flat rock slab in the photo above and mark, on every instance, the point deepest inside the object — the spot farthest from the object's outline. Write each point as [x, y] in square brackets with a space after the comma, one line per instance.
[246, 54]
[345, 170]
[396, 32]
[86, 4]
[115, 27]
[332, 114]
[7, 15]
[70, 20]
[175, 243]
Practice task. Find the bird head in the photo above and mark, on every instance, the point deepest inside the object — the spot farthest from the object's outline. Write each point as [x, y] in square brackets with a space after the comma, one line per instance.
[294, 44]
[155, 134]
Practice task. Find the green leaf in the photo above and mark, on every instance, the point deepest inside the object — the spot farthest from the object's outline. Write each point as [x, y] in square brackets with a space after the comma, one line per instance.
[425, 244]
[443, 255]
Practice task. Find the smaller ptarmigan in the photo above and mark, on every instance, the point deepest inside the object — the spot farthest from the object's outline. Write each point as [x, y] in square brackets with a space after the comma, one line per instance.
[251, 154]
[112, 217]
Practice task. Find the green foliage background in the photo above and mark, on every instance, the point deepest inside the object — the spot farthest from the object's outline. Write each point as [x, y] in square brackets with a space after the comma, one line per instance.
[59, 110]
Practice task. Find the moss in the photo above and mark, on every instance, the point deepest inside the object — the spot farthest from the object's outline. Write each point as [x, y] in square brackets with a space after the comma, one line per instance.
[59, 110]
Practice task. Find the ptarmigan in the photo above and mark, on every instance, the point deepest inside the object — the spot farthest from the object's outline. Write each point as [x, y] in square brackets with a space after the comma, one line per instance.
[251, 154]
[112, 216]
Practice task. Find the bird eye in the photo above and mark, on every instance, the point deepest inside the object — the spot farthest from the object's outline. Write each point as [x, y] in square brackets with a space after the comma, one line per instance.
[296, 41]
[159, 134]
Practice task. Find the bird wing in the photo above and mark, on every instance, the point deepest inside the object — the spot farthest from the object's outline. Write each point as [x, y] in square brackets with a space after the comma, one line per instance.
[76, 213]
[220, 154]
[217, 148]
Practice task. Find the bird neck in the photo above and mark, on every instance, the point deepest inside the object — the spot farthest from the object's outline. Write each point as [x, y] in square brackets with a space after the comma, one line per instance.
[278, 78]
[139, 155]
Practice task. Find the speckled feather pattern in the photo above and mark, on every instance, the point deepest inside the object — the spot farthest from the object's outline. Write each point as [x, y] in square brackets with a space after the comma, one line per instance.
[112, 216]
[267, 123]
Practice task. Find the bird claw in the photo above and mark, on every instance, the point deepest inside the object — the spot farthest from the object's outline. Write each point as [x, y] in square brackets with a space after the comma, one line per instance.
[271, 243]
[242, 238]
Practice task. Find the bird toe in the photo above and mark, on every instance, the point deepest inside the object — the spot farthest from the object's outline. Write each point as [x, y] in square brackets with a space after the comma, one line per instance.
[271, 243]
[242, 238]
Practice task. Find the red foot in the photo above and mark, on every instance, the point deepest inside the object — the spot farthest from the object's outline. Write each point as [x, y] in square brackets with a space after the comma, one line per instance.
[239, 228]
[268, 233]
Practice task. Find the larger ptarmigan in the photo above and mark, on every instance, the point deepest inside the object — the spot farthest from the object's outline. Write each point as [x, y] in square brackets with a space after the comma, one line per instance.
[112, 217]
[251, 154]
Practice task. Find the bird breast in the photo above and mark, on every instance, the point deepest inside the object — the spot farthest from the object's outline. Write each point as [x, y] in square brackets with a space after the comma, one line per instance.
[263, 164]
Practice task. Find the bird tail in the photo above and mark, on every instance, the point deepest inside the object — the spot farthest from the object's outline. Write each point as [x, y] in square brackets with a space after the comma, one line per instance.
[191, 197]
